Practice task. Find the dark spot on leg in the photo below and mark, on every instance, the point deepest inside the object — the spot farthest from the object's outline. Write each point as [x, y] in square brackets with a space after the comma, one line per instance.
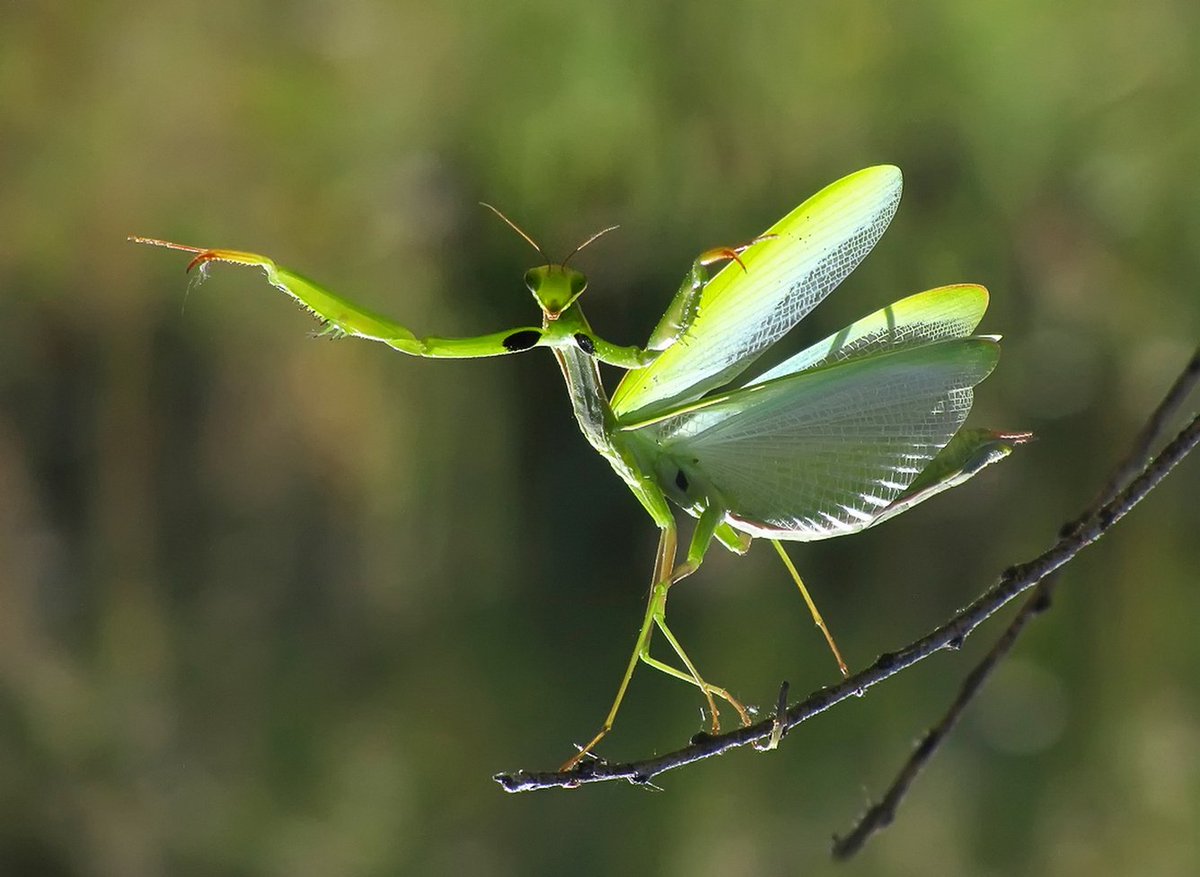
[522, 340]
[585, 343]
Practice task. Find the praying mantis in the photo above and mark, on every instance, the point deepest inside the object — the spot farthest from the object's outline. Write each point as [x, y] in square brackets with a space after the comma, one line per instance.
[850, 432]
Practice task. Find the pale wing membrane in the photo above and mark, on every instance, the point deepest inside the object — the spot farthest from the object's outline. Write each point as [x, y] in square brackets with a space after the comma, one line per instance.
[742, 312]
[824, 453]
[970, 451]
[933, 315]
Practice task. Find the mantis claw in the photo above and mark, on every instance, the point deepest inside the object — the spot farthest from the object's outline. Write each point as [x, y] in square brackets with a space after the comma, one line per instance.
[203, 254]
[720, 254]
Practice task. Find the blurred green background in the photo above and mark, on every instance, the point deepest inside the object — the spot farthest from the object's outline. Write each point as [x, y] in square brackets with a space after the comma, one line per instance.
[275, 606]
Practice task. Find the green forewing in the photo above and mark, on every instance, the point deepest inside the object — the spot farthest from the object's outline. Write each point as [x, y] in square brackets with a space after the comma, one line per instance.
[824, 453]
[933, 315]
[742, 312]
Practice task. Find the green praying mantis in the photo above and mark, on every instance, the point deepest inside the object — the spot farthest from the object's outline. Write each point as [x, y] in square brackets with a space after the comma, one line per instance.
[850, 432]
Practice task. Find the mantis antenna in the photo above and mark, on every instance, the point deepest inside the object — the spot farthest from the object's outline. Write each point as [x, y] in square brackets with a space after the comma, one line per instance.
[594, 237]
[515, 228]
[533, 243]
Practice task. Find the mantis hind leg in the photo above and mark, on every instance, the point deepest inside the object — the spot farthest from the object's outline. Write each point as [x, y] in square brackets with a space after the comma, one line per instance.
[663, 562]
[693, 677]
[665, 574]
[812, 606]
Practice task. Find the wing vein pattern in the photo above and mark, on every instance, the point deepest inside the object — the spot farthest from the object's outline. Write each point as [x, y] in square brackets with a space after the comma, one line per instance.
[822, 453]
[742, 313]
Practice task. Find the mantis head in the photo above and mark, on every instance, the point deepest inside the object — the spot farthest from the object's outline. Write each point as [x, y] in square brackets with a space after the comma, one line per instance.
[554, 286]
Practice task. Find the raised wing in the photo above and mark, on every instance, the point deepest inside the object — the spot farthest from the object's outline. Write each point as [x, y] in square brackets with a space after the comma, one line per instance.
[827, 452]
[743, 312]
[933, 315]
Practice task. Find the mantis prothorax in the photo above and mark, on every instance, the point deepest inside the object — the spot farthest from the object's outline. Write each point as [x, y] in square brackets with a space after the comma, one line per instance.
[851, 431]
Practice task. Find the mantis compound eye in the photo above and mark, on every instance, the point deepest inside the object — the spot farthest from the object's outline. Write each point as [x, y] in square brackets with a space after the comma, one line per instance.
[578, 283]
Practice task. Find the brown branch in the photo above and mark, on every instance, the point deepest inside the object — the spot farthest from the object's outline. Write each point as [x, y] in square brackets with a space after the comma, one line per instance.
[1015, 581]
[881, 815]
[1153, 431]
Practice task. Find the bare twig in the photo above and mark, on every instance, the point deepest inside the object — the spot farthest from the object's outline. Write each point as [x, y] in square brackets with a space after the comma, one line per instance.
[1155, 428]
[881, 814]
[1015, 581]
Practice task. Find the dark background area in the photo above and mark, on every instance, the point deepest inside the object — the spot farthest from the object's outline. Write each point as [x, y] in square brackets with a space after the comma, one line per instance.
[275, 606]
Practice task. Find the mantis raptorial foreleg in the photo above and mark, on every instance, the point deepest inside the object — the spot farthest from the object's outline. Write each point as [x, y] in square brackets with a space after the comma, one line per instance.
[685, 306]
[342, 318]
